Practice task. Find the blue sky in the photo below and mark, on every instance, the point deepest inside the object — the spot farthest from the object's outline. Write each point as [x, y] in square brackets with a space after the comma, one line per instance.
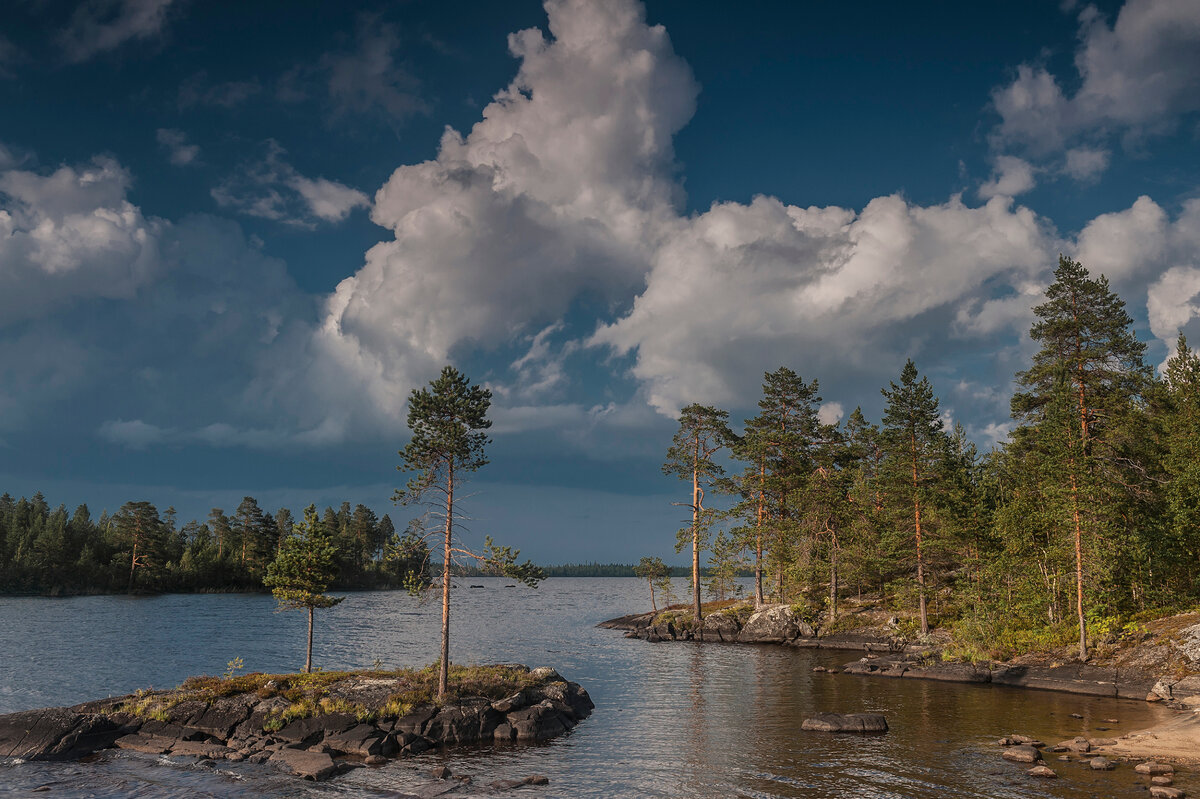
[233, 237]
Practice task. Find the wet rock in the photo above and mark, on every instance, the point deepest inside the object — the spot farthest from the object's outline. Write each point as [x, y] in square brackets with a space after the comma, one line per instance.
[441, 773]
[1162, 779]
[846, 722]
[540, 722]
[56, 734]
[536, 779]
[375, 760]
[1101, 764]
[1022, 754]
[199, 749]
[363, 740]
[147, 744]
[1152, 768]
[1041, 771]
[1081, 745]
[309, 765]
[311, 730]
[1165, 792]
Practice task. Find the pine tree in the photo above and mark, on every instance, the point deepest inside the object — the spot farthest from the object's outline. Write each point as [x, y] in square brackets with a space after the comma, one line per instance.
[139, 529]
[703, 431]
[656, 573]
[302, 571]
[1089, 352]
[912, 437]
[1182, 461]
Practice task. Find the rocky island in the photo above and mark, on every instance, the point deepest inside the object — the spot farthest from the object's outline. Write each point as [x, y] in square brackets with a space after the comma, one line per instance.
[312, 725]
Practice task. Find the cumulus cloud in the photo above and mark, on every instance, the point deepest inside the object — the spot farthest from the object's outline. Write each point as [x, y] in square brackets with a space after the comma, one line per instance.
[71, 234]
[1086, 163]
[565, 186]
[1135, 77]
[1010, 177]
[179, 151]
[98, 26]
[1172, 302]
[271, 188]
[1122, 244]
[742, 288]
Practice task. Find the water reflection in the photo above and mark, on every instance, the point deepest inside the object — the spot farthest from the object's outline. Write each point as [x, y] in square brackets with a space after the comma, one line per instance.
[671, 719]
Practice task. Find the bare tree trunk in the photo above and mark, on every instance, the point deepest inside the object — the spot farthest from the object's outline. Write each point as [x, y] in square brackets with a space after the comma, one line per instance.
[132, 564]
[920, 559]
[653, 606]
[1083, 652]
[696, 500]
[758, 538]
[308, 653]
[833, 575]
[444, 673]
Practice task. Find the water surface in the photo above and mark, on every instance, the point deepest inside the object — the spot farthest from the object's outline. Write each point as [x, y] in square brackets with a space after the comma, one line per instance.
[671, 719]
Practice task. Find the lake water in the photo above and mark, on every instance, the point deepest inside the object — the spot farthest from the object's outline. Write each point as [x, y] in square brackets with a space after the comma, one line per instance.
[671, 719]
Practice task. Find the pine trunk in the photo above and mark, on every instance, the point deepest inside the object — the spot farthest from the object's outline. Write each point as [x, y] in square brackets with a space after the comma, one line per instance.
[696, 533]
[758, 538]
[308, 652]
[444, 672]
[920, 558]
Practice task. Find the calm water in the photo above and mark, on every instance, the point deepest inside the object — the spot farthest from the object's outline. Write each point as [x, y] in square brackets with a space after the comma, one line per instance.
[670, 720]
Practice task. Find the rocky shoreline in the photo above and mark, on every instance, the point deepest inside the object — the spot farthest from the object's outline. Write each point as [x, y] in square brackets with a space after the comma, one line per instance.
[311, 725]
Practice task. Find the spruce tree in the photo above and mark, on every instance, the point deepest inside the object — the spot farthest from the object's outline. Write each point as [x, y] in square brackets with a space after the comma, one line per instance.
[302, 571]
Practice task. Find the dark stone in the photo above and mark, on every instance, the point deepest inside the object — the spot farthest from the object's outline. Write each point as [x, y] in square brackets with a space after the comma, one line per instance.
[719, 627]
[221, 717]
[414, 722]
[56, 734]
[537, 779]
[309, 765]
[1022, 754]
[539, 722]
[311, 730]
[441, 773]
[846, 722]
[362, 740]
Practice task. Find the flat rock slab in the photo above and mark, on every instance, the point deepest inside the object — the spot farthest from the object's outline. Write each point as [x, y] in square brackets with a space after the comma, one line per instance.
[1022, 754]
[309, 765]
[846, 722]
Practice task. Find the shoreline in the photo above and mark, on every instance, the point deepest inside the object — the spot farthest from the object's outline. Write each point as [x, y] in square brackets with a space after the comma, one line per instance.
[313, 725]
[892, 657]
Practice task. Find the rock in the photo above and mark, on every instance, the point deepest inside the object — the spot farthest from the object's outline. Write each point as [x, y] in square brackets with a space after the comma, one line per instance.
[509, 704]
[467, 722]
[1065, 758]
[1189, 642]
[536, 779]
[441, 773]
[200, 749]
[1110, 721]
[846, 722]
[309, 765]
[311, 730]
[1166, 792]
[1102, 741]
[1162, 689]
[1076, 716]
[1080, 745]
[505, 785]
[221, 717]
[774, 624]
[1152, 768]
[375, 760]
[1022, 754]
[818, 669]
[546, 674]
[539, 722]
[56, 734]
[363, 740]
[1101, 764]
[1153, 697]
[148, 744]
[1041, 771]
[719, 627]
[1161, 779]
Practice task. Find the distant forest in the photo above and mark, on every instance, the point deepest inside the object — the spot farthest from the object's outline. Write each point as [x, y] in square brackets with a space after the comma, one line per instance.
[45, 550]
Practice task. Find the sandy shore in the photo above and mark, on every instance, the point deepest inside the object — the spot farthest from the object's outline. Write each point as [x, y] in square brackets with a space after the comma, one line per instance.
[1176, 740]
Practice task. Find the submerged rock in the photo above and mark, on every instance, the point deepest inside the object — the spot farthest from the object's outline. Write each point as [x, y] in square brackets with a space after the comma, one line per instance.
[846, 722]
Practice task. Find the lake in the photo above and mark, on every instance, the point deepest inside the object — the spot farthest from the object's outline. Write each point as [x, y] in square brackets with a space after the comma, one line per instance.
[671, 719]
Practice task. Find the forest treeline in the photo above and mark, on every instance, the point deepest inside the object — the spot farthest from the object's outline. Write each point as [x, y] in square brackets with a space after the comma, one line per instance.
[46, 550]
[1086, 520]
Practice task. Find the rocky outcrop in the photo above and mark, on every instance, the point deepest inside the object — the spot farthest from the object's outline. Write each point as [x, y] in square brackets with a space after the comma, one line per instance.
[247, 726]
[774, 624]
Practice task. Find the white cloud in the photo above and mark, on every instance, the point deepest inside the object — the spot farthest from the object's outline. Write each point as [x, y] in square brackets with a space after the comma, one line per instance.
[1011, 176]
[830, 412]
[176, 144]
[1122, 244]
[741, 289]
[1135, 77]
[271, 188]
[563, 187]
[1171, 304]
[98, 26]
[327, 199]
[134, 434]
[1086, 163]
[69, 235]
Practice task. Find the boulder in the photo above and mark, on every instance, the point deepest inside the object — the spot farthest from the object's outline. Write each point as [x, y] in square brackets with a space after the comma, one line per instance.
[846, 722]
[1101, 764]
[539, 722]
[309, 765]
[363, 740]
[221, 717]
[311, 730]
[467, 722]
[1022, 754]
[1041, 771]
[774, 624]
[1165, 792]
[1152, 768]
[719, 627]
[1162, 779]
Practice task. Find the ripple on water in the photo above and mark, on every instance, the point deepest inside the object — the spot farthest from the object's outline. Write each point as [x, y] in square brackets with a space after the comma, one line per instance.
[671, 719]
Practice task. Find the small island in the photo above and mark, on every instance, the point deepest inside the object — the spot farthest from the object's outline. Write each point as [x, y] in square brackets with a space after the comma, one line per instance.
[313, 725]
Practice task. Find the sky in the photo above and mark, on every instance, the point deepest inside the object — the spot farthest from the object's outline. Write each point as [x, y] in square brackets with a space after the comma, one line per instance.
[234, 236]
